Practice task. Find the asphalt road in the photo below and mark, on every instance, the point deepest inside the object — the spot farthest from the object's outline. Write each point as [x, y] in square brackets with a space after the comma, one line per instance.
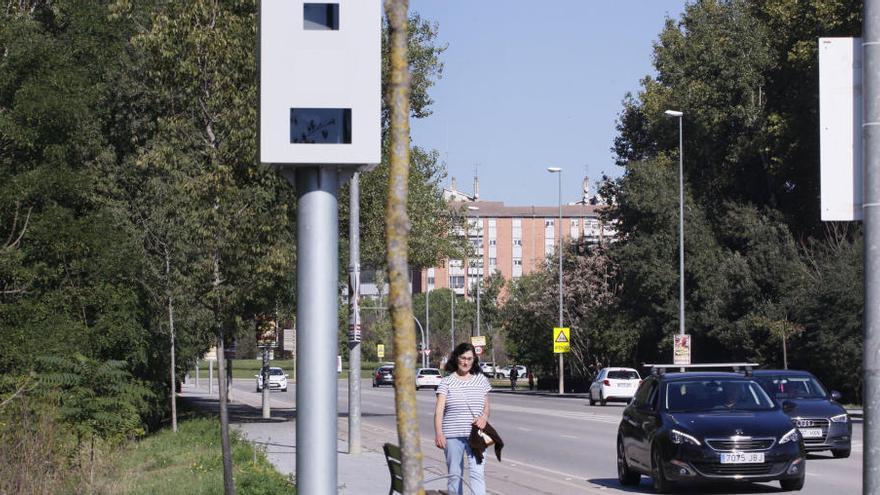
[557, 445]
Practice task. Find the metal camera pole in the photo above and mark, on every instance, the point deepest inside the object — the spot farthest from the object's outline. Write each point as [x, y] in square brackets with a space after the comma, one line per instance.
[354, 318]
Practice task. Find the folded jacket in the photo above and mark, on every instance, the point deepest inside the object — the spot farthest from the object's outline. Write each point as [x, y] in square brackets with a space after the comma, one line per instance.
[478, 444]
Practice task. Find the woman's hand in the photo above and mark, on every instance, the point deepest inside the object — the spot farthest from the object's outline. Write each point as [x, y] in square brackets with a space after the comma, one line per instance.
[440, 441]
[481, 422]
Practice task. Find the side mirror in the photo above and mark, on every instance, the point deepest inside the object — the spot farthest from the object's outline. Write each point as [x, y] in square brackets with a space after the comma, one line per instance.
[788, 406]
[286, 375]
[835, 395]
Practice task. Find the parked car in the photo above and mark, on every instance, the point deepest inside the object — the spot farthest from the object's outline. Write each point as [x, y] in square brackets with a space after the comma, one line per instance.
[614, 384]
[428, 377]
[384, 375]
[277, 380]
[704, 427]
[821, 420]
[505, 371]
[489, 369]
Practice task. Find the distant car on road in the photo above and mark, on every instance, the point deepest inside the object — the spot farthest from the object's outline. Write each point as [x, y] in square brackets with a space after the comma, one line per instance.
[822, 422]
[277, 380]
[428, 377]
[489, 369]
[614, 384]
[707, 427]
[384, 375]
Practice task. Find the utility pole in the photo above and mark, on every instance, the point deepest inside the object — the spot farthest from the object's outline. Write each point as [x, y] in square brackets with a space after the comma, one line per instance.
[871, 214]
[354, 318]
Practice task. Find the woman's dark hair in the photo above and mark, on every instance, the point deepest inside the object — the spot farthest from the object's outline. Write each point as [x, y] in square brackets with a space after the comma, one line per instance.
[452, 364]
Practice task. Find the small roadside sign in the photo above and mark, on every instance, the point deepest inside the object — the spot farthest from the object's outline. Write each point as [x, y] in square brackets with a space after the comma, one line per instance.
[478, 349]
[478, 340]
[380, 350]
[681, 349]
[427, 352]
[561, 340]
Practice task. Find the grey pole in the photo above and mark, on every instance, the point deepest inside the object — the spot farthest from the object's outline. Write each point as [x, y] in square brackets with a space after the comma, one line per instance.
[452, 319]
[422, 330]
[354, 318]
[316, 279]
[680, 116]
[557, 170]
[197, 374]
[264, 372]
[870, 204]
[210, 376]
[427, 318]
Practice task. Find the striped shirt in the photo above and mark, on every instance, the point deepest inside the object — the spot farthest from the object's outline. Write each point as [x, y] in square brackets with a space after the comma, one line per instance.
[465, 399]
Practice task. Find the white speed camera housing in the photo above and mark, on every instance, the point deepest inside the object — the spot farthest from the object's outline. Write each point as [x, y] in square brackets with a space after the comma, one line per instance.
[320, 83]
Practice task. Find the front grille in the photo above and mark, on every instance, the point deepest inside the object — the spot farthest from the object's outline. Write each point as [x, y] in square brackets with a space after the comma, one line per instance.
[718, 469]
[740, 444]
[822, 423]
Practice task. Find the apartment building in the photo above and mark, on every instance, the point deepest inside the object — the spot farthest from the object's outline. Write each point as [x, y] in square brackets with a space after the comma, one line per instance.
[513, 240]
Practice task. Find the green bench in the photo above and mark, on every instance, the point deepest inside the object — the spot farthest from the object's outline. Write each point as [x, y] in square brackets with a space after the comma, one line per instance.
[393, 457]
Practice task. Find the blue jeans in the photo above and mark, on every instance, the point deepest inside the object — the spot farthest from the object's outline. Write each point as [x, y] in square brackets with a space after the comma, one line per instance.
[456, 450]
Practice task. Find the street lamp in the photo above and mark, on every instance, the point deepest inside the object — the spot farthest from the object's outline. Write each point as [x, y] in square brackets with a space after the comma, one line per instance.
[677, 114]
[557, 170]
[479, 273]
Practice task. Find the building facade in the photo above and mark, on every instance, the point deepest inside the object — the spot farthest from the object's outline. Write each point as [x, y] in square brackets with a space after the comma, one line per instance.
[513, 240]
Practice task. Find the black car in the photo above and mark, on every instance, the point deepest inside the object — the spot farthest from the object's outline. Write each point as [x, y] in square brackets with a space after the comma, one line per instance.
[698, 427]
[823, 422]
[384, 375]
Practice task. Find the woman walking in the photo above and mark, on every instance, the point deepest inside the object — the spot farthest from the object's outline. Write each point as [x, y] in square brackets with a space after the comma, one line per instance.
[462, 401]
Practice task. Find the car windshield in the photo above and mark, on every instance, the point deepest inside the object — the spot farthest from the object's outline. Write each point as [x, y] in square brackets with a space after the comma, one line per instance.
[792, 387]
[386, 370]
[276, 371]
[623, 375]
[429, 372]
[716, 395]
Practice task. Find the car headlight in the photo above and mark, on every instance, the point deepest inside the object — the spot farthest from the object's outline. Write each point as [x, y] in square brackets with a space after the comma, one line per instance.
[840, 418]
[679, 438]
[791, 436]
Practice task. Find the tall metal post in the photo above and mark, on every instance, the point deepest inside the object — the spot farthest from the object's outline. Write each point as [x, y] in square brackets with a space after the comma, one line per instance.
[452, 319]
[210, 376]
[680, 224]
[871, 211]
[264, 372]
[427, 320]
[354, 318]
[559, 229]
[317, 281]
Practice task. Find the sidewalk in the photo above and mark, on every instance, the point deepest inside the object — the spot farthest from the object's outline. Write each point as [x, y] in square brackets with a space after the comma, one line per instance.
[367, 472]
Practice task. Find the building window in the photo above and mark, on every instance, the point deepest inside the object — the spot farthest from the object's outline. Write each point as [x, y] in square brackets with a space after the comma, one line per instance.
[321, 16]
[517, 268]
[456, 281]
[575, 230]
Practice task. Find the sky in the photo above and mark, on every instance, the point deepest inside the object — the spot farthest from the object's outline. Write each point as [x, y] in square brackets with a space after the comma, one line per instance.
[528, 85]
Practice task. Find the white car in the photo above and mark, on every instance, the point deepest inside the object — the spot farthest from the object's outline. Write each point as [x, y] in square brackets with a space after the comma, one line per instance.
[614, 384]
[277, 380]
[428, 377]
[489, 369]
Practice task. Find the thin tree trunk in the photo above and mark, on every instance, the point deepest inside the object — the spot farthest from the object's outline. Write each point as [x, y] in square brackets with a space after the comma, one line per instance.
[173, 361]
[228, 482]
[397, 235]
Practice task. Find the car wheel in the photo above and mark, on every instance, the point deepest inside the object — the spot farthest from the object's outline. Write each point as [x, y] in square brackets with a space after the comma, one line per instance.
[418, 388]
[602, 401]
[284, 389]
[793, 485]
[259, 390]
[592, 401]
[374, 384]
[841, 453]
[661, 485]
[625, 475]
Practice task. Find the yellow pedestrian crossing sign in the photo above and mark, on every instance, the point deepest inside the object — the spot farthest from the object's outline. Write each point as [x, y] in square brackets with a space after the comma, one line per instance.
[561, 340]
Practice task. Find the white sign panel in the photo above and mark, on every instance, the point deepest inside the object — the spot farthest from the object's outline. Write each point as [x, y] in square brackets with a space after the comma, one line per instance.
[289, 340]
[840, 127]
[320, 82]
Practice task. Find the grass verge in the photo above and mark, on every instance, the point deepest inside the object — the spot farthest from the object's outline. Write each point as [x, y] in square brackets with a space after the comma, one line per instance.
[190, 462]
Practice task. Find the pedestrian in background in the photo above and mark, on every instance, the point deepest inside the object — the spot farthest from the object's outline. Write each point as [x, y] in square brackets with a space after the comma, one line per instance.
[514, 374]
[531, 381]
[462, 401]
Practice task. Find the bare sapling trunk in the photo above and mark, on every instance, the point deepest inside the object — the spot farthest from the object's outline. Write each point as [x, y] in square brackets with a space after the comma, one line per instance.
[228, 482]
[173, 361]
[397, 227]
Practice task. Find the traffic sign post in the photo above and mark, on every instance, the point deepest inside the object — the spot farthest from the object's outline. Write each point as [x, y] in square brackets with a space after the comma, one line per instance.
[561, 340]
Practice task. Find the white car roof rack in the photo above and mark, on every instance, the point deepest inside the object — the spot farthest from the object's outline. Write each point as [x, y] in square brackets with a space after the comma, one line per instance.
[660, 369]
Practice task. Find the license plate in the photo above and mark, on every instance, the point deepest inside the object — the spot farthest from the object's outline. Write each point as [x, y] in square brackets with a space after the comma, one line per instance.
[811, 432]
[624, 385]
[742, 458]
